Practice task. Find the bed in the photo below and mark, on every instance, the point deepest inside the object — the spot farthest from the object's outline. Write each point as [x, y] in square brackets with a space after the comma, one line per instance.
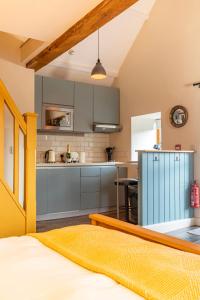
[31, 270]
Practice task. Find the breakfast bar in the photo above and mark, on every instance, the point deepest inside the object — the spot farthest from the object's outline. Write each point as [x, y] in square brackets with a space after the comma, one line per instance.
[165, 179]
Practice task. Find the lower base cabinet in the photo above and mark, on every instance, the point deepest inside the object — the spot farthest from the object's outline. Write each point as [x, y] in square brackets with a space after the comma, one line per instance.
[108, 189]
[63, 190]
[41, 195]
[90, 187]
[90, 200]
[58, 190]
[74, 189]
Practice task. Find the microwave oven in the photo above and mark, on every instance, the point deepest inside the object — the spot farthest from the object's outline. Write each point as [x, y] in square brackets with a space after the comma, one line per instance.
[57, 117]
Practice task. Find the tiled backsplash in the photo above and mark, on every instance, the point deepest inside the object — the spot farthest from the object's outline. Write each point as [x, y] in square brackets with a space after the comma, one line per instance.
[121, 154]
[93, 144]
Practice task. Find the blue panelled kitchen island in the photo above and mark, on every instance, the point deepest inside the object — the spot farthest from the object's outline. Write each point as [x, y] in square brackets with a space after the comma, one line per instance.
[165, 179]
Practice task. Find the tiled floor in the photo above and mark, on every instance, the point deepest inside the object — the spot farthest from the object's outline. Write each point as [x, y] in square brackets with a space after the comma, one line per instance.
[184, 235]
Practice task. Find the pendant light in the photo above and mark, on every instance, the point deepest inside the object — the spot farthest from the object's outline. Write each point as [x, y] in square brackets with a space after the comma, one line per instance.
[98, 71]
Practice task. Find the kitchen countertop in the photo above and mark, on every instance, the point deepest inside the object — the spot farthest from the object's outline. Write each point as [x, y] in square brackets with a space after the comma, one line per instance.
[166, 151]
[64, 165]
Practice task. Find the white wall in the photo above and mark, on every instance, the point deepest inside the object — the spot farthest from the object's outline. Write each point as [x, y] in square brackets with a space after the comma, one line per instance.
[10, 48]
[20, 84]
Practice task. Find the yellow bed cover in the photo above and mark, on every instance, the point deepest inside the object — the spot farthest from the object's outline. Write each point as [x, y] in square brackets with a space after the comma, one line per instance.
[151, 270]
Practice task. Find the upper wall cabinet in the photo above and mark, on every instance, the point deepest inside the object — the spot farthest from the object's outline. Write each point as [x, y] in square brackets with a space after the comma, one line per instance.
[106, 105]
[92, 104]
[58, 91]
[83, 107]
[38, 100]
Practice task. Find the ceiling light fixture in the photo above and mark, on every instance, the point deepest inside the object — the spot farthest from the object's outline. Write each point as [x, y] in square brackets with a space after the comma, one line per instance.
[98, 71]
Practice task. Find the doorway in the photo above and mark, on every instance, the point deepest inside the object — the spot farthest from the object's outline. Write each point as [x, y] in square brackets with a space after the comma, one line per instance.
[145, 133]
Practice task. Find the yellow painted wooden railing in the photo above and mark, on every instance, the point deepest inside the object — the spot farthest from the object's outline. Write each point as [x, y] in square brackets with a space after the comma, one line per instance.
[17, 218]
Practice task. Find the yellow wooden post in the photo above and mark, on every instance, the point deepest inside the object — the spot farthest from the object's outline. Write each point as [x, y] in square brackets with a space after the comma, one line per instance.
[16, 159]
[30, 172]
[1, 137]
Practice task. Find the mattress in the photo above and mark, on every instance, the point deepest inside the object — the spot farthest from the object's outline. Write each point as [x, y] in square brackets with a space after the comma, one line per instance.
[31, 271]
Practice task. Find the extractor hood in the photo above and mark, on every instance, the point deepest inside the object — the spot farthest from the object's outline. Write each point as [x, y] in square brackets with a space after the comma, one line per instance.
[106, 128]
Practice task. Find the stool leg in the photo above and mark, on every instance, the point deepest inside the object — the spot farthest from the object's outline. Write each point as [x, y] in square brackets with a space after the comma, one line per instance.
[126, 202]
[117, 192]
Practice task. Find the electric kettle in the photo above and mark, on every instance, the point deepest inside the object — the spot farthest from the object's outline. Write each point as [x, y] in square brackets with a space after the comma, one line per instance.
[50, 156]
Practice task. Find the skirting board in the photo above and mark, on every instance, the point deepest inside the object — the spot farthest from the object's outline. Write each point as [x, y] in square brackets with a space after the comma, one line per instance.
[172, 225]
[76, 213]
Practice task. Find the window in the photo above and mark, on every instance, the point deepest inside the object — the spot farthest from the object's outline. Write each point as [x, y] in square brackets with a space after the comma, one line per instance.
[145, 133]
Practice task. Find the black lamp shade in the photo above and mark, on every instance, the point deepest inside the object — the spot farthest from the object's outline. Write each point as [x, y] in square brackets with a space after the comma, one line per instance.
[98, 71]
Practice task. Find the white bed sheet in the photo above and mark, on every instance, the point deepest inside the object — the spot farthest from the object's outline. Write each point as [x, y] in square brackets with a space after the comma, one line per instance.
[31, 271]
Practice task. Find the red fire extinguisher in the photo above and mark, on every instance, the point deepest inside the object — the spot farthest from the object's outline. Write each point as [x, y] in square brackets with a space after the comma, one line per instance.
[195, 201]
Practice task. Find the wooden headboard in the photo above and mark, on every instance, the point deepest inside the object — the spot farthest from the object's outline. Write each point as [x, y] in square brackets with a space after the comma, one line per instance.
[104, 221]
[17, 215]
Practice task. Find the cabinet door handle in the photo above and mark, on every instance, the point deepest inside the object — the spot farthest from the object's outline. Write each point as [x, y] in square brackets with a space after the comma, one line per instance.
[156, 158]
[177, 158]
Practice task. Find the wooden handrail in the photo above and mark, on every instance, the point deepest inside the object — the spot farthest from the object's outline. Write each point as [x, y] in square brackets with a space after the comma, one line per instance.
[153, 236]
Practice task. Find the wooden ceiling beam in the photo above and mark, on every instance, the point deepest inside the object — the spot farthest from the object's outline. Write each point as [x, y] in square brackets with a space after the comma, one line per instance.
[96, 18]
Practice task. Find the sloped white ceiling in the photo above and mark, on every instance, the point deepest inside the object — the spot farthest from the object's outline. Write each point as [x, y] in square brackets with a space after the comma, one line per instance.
[116, 38]
[45, 20]
[42, 19]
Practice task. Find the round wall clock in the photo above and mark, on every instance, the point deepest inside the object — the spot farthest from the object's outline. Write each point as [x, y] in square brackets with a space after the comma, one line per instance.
[178, 116]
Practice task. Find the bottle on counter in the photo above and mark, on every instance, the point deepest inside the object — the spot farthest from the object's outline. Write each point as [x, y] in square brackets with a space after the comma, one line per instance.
[68, 154]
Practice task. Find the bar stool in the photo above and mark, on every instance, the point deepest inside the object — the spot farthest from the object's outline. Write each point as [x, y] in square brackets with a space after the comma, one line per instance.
[126, 182]
[133, 204]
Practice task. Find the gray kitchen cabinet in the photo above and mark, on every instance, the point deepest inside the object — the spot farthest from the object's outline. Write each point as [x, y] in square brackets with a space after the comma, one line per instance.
[106, 105]
[90, 187]
[63, 190]
[108, 189]
[90, 200]
[90, 184]
[38, 100]
[90, 172]
[92, 104]
[74, 188]
[58, 91]
[41, 192]
[83, 107]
